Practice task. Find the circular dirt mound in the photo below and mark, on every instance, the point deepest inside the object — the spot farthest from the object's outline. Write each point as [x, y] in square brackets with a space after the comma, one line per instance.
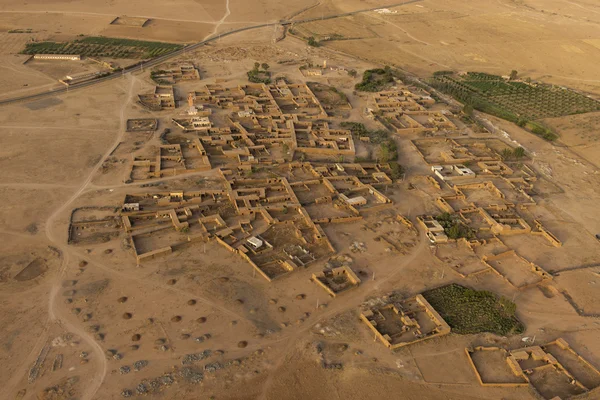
[192, 302]
[122, 299]
[242, 344]
[127, 315]
[201, 320]
[136, 337]
[176, 318]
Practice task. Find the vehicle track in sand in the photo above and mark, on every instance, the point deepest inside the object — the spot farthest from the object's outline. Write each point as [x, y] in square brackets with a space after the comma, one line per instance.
[55, 315]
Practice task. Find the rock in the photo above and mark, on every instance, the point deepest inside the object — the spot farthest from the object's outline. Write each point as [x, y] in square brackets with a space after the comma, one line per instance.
[140, 364]
[213, 367]
[166, 380]
[141, 389]
[193, 357]
[191, 375]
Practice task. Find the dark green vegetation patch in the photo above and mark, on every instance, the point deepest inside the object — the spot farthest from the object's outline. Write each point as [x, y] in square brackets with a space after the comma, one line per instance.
[470, 311]
[375, 80]
[516, 101]
[454, 228]
[98, 46]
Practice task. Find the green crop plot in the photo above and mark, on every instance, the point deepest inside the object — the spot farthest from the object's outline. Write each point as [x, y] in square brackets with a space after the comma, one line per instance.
[513, 100]
[98, 46]
[470, 311]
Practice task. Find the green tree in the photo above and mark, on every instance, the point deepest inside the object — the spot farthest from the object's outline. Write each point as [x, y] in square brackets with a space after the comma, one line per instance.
[265, 66]
[388, 151]
[256, 66]
[313, 42]
[397, 171]
[513, 74]
[352, 73]
[506, 154]
[519, 153]
[468, 110]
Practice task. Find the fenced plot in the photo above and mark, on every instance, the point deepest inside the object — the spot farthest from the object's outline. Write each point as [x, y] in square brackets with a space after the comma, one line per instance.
[98, 46]
[515, 99]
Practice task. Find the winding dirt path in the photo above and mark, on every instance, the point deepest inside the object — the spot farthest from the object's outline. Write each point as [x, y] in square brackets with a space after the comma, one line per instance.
[55, 315]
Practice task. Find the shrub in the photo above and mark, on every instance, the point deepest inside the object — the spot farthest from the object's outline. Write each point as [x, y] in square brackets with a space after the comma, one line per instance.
[469, 311]
[397, 171]
[375, 80]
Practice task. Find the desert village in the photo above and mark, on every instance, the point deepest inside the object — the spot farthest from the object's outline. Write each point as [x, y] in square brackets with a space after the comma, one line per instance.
[286, 169]
[237, 226]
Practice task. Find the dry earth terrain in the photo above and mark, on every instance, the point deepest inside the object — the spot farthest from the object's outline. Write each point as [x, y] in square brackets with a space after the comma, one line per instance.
[87, 320]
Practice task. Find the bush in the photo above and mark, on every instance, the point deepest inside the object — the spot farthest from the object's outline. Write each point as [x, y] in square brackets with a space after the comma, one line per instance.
[469, 311]
[313, 42]
[257, 76]
[388, 151]
[375, 80]
[397, 171]
[358, 129]
[454, 228]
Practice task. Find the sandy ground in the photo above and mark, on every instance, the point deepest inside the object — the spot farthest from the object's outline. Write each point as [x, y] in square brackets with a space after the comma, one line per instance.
[61, 302]
[556, 41]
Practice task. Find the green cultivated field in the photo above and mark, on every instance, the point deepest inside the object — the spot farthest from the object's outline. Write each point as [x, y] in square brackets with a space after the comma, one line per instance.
[94, 46]
[470, 311]
[519, 102]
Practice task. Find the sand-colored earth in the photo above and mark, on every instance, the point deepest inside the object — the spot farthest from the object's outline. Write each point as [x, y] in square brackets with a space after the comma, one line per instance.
[86, 321]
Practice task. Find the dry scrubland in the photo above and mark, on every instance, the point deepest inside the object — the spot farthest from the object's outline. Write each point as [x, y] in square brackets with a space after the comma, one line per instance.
[85, 320]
